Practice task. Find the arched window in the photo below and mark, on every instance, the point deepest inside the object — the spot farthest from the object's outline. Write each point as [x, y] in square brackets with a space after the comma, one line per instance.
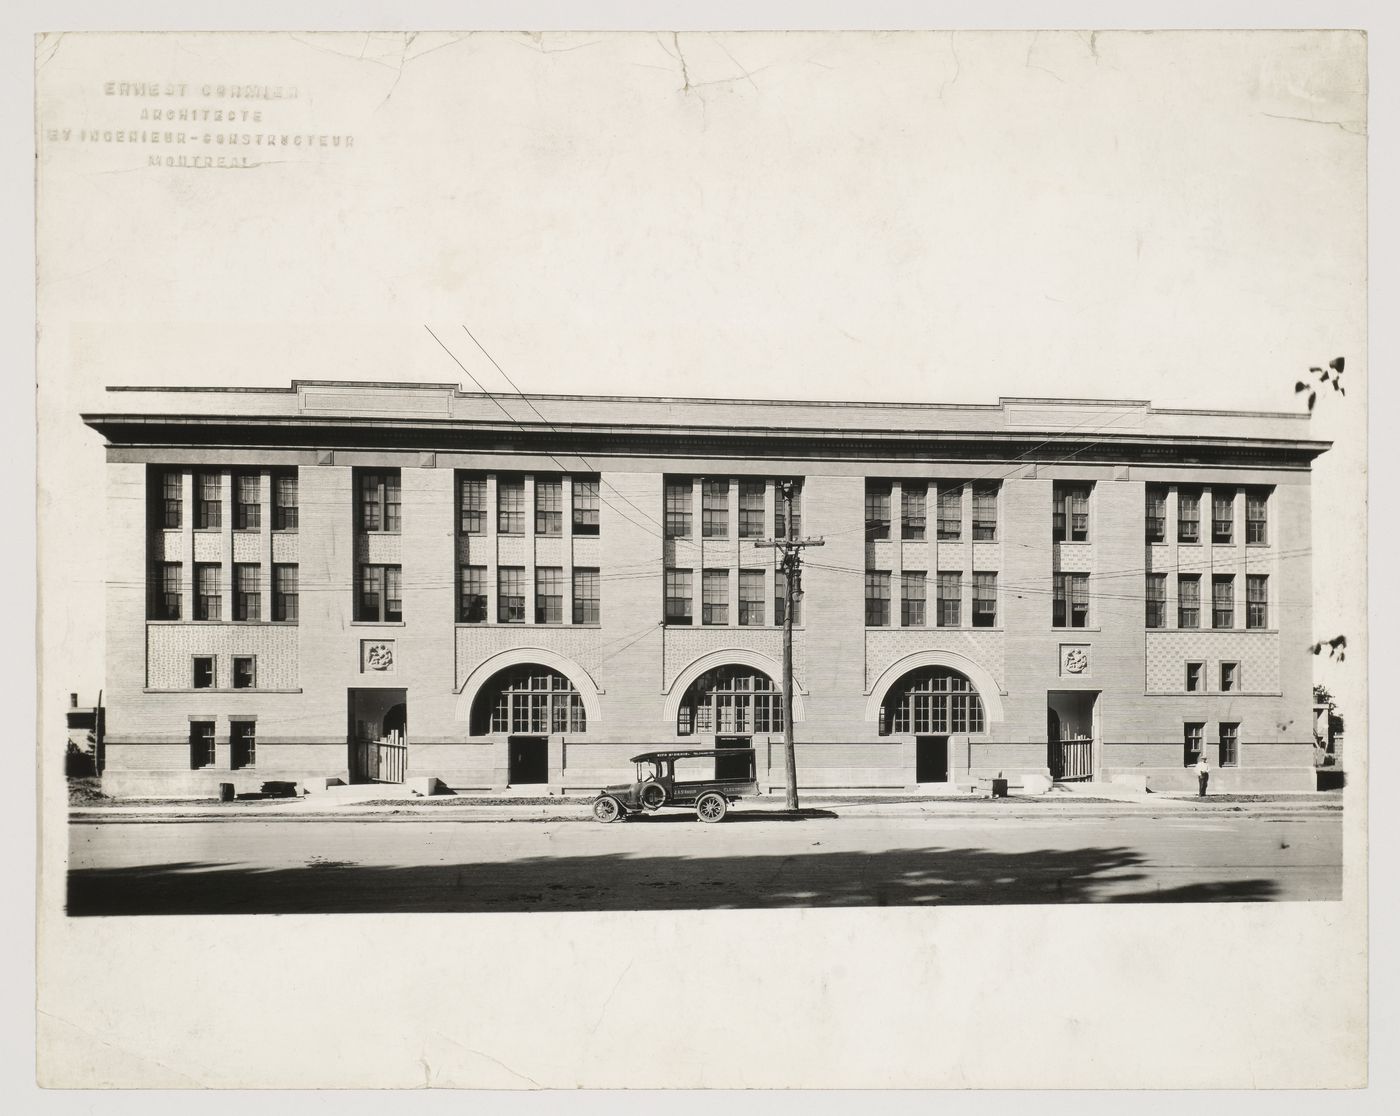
[932, 700]
[528, 699]
[731, 699]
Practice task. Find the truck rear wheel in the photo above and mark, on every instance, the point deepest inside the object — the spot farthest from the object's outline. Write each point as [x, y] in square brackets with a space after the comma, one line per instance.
[711, 807]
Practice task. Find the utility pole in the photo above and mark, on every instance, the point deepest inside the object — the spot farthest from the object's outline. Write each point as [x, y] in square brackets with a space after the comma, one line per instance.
[791, 558]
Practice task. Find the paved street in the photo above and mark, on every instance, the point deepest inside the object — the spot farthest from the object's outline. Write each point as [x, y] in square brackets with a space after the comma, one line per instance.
[670, 861]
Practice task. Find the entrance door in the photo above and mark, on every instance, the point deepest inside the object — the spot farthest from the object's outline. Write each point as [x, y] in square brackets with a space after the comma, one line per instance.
[529, 759]
[733, 767]
[377, 735]
[931, 759]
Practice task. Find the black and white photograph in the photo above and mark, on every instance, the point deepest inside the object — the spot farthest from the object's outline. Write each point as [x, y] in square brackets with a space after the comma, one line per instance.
[534, 489]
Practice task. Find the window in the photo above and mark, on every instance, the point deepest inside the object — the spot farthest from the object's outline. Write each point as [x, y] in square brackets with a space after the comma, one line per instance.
[471, 504]
[1188, 601]
[549, 595]
[1195, 677]
[1256, 601]
[678, 508]
[586, 504]
[730, 699]
[949, 599]
[285, 511]
[913, 598]
[165, 603]
[1156, 600]
[549, 506]
[1229, 677]
[1071, 601]
[510, 595]
[1222, 600]
[877, 598]
[984, 512]
[209, 497]
[1071, 519]
[984, 600]
[172, 500]
[1194, 738]
[529, 699]
[204, 672]
[780, 598]
[751, 597]
[247, 501]
[245, 672]
[243, 750]
[1256, 516]
[471, 606]
[586, 596]
[1156, 514]
[1222, 517]
[913, 510]
[201, 744]
[208, 592]
[714, 509]
[679, 592]
[284, 593]
[932, 700]
[715, 605]
[380, 500]
[780, 527]
[877, 509]
[510, 505]
[949, 510]
[247, 591]
[1229, 743]
[380, 594]
[751, 510]
[1188, 516]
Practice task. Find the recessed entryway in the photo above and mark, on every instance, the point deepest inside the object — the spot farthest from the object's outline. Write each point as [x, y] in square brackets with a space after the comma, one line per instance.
[529, 759]
[1070, 731]
[931, 759]
[378, 735]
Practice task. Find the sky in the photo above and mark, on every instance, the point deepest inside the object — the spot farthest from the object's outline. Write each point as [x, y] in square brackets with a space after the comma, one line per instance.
[948, 217]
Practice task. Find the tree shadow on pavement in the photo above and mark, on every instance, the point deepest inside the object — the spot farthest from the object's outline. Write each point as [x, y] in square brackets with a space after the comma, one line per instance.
[620, 882]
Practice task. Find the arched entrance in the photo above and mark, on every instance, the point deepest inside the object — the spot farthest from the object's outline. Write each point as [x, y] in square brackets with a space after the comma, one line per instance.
[528, 703]
[929, 704]
[731, 703]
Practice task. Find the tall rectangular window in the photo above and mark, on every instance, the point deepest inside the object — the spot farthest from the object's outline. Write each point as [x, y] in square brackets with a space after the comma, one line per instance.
[679, 594]
[471, 607]
[1070, 606]
[204, 672]
[381, 499]
[877, 509]
[780, 524]
[1256, 601]
[285, 603]
[1195, 677]
[586, 610]
[380, 596]
[549, 595]
[1222, 600]
[1071, 518]
[165, 603]
[1188, 515]
[247, 591]
[172, 499]
[1222, 518]
[1194, 739]
[751, 509]
[201, 744]
[243, 750]
[780, 599]
[679, 491]
[286, 512]
[208, 501]
[751, 596]
[1229, 677]
[949, 598]
[913, 599]
[950, 510]
[1156, 514]
[586, 501]
[510, 595]
[1256, 515]
[1188, 601]
[471, 505]
[877, 597]
[913, 509]
[549, 506]
[1156, 600]
[715, 602]
[714, 509]
[245, 672]
[984, 600]
[208, 592]
[1229, 743]
[984, 512]
[510, 504]
[247, 501]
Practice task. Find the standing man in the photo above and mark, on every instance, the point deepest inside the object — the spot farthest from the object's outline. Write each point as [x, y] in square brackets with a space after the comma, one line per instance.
[1202, 773]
